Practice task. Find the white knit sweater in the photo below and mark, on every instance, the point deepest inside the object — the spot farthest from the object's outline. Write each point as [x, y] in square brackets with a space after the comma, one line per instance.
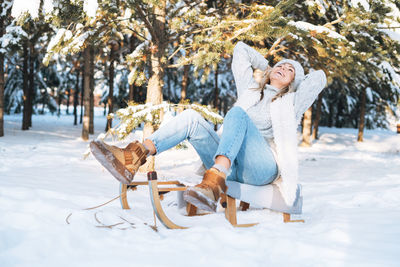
[245, 59]
[280, 128]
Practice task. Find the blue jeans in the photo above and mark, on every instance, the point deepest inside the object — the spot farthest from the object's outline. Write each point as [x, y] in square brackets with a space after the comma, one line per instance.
[251, 156]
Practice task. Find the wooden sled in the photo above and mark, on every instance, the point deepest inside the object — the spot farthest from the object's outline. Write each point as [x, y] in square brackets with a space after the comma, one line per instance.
[229, 203]
[156, 196]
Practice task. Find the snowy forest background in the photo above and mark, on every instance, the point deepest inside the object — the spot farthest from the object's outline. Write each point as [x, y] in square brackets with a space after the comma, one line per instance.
[66, 64]
[110, 53]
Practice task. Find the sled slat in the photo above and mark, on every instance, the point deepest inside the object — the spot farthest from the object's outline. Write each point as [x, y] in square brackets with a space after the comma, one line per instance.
[155, 201]
[245, 225]
[171, 189]
[160, 183]
[156, 195]
[230, 213]
[286, 218]
[123, 190]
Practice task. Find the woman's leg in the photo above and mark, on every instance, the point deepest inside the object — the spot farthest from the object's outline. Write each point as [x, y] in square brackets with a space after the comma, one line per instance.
[241, 145]
[123, 163]
[244, 146]
[188, 125]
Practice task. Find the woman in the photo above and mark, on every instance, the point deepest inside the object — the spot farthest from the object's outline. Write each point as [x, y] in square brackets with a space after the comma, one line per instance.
[259, 132]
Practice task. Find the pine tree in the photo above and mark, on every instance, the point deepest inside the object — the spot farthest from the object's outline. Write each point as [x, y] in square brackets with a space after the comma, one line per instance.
[355, 63]
[26, 36]
[347, 42]
[192, 27]
[5, 9]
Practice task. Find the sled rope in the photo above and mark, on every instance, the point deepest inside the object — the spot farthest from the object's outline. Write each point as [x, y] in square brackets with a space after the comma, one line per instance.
[98, 206]
[102, 225]
[105, 203]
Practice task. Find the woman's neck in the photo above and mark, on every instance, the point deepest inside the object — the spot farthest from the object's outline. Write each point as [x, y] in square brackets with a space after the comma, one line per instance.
[276, 85]
[272, 87]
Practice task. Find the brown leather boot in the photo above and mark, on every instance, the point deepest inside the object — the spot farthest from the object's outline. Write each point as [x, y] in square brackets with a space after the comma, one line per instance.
[206, 194]
[122, 163]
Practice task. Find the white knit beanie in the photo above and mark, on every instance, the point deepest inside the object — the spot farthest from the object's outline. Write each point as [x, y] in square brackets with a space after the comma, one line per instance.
[298, 69]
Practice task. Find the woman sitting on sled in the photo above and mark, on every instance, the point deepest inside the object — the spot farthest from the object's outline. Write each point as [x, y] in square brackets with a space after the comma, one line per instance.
[258, 145]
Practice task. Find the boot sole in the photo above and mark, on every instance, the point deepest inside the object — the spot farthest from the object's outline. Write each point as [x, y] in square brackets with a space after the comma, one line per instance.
[111, 163]
[199, 200]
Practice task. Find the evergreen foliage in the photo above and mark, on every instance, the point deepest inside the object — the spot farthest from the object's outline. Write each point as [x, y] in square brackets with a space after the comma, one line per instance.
[135, 114]
[352, 41]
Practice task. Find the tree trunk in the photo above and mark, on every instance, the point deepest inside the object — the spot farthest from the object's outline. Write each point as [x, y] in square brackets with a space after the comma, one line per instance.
[360, 137]
[317, 117]
[132, 86]
[1, 80]
[82, 91]
[155, 85]
[91, 117]
[25, 114]
[225, 110]
[43, 104]
[216, 90]
[307, 128]
[185, 79]
[216, 95]
[86, 96]
[330, 116]
[76, 96]
[111, 85]
[338, 123]
[184, 86]
[170, 94]
[131, 92]
[59, 99]
[1, 91]
[31, 82]
[68, 99]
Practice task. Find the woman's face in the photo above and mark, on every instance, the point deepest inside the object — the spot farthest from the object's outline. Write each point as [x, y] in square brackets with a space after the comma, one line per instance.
[282, 75]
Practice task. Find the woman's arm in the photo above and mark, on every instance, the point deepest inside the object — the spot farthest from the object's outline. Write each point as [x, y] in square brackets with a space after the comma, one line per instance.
[244, 60]
[308, 91]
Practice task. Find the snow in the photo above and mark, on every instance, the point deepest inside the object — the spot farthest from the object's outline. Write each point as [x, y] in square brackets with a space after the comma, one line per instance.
[138, 50]
[318, 3]
[90, 7]
[396, 77]
[369, 93]
[56, 39]
[32, 7]
[305, 26]
[392, 34]
[78, 42]
[5, 6]
[351, 206]
[21, 6]
[48, 6]
[11, 37]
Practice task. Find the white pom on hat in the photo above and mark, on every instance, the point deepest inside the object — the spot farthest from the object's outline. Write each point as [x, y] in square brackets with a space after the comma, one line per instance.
[298, 71]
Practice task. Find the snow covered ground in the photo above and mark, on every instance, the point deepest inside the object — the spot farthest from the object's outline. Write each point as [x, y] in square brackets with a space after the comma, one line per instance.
[351, 207]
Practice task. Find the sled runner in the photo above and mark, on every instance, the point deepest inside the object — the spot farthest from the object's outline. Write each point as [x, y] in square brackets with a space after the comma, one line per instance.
[156, 196]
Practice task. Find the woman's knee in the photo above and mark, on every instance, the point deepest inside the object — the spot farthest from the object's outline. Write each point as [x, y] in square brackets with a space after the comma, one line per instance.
[235, 111]
[190, 116]
[191, 113]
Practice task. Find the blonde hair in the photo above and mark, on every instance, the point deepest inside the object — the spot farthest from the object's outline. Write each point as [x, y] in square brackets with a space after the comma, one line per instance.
[265, 79]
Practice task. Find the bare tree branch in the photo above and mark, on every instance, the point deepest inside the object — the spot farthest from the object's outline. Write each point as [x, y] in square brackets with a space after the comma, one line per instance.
[143, 16]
